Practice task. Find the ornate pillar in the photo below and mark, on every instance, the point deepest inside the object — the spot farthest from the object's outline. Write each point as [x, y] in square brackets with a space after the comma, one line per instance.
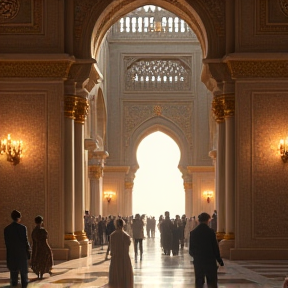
[128, 196]
[80, 116]
[187, 182]
[229, 110]
[218, 111]
[69, 181]
[95, 170]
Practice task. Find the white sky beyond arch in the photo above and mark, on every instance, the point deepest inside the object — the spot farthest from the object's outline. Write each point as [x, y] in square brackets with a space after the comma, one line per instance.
[158, 185]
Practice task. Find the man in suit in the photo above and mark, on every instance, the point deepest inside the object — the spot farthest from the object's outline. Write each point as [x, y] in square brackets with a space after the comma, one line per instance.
[17, 247]
[205, 252]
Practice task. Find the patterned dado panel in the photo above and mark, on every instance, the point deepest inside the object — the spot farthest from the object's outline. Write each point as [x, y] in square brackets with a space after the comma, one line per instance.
[261, 188]
[272, 20]
[136, 113]
[36, 24]
[32, 113]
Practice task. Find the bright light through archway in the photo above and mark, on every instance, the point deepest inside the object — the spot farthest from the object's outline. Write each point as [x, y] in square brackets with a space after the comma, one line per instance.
[158, 185]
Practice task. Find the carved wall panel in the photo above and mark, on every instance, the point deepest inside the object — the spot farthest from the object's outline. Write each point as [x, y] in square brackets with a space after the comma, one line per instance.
[36, 24]
[157, 74]
[181, 114]
[261, 186]
[32, 113]
[270, 21]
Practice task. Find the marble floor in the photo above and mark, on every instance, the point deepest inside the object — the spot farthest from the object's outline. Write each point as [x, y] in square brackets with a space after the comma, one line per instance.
[156, 271]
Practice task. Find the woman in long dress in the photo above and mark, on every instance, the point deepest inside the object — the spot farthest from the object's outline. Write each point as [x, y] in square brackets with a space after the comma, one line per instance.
[42, 258]
[120, 270]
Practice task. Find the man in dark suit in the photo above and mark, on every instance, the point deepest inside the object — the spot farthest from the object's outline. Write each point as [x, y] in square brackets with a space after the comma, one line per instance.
[205, 252]
[17, 246]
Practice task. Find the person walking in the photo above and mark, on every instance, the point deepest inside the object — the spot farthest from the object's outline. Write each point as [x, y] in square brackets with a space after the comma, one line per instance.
[138, 235]
[120, 269]
[17, 249]
[109, 230]
[42, 257]
[205, 252]
[166, 228]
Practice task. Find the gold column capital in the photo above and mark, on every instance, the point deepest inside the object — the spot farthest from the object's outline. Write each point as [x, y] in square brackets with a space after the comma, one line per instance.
[228, 101]
[187, 185]
[218, 109]
[95, 171]
[129, 184]
[70, 103]
[81, 110]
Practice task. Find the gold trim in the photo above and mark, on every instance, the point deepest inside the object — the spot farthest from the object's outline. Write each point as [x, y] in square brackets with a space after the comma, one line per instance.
[95, 171]
[124, 169]
[218, 109]
[193, 169]
[80, 235]
[70, 102]
[69, 236]
[220, 236]
[81, 110]
[258, 69]
[35, 68]
[228, 101]
[129, 185]
[229, 236]
[188, 185]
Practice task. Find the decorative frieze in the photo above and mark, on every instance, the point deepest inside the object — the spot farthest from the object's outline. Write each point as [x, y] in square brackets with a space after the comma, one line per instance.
[258, 69]
[35, 69]
[180, 113]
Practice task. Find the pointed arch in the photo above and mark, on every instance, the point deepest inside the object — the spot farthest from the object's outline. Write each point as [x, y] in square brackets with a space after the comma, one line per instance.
[165, 126]
[205, 19]
[101, 121]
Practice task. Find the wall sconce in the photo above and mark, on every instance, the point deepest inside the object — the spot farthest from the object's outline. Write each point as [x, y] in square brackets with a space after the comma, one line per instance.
[108, 195]
[283, 149]
[208, 195]
[13, 149]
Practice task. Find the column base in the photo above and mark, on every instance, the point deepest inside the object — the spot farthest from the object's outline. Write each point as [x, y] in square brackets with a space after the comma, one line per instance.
[220, 236]
[74, 249]
[225, 246]
[86, 248]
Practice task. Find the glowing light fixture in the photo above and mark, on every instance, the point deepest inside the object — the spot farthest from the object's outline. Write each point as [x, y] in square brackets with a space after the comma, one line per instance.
[208, 195]
[283, 149]
[108, 195]
[13, 149]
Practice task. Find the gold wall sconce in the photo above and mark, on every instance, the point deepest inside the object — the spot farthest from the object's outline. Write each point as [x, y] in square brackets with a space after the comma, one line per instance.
[108, 195]
[283, 149]
[208, 195]
[13, 149]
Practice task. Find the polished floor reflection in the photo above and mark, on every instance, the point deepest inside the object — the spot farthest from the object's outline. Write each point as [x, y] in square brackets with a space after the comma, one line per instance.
[156, 271]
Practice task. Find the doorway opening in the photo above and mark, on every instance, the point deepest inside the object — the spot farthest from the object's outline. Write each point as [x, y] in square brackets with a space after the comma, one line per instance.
[158, 183]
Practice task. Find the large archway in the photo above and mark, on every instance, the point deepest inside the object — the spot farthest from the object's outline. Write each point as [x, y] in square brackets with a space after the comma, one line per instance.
[158, 184]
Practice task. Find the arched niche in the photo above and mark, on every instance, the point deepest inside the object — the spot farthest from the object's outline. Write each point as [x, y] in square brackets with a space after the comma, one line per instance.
[93, 21]
[153, 125]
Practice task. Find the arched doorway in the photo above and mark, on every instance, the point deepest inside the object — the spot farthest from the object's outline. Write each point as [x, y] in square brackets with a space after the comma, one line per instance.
[158, 183]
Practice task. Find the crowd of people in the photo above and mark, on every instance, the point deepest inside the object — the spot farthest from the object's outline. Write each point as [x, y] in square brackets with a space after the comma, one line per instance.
[117, 232]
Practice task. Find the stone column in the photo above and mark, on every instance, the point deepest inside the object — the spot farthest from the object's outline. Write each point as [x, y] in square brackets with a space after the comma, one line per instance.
[95, 170]
[218, 111]
[80, 116]
[188, 198]
[128, 197]
[69, 181]
[187, 182]
[229, 104]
